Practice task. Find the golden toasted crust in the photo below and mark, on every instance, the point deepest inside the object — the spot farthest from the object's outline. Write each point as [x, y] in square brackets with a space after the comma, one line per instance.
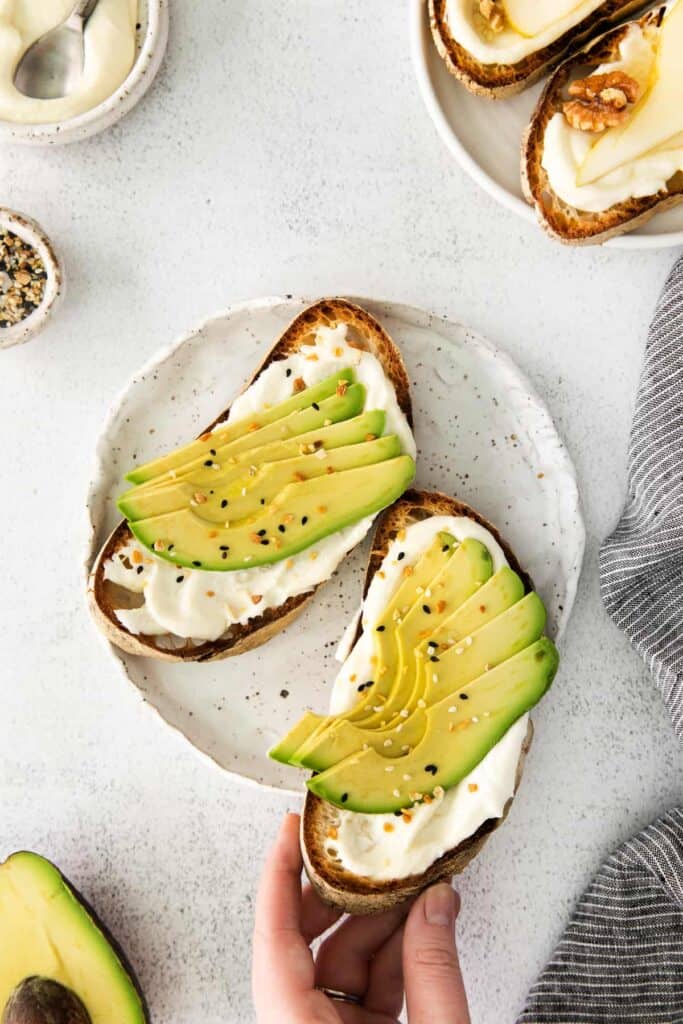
[495, 81]
[356, 894]
[104, 597]
[559, 219]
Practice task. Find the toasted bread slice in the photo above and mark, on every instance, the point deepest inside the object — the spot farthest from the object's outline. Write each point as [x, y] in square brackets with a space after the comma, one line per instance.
[335, 885]
[562, 221]
[364, 332]
[496, 81]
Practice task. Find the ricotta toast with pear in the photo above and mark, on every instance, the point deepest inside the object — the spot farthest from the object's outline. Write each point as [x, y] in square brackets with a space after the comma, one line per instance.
[225, 539]
[499, 47]
[604, 149]
[421, 753]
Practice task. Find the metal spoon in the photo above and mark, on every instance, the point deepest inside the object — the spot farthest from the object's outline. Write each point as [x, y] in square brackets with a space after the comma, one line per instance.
[52, 66]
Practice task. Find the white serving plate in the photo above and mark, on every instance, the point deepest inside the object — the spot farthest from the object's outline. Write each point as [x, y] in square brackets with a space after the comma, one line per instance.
[482, 434]
[485, 137]
[151, 43]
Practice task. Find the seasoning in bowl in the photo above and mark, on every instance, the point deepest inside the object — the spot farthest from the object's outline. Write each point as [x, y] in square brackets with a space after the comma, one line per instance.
[22, 279]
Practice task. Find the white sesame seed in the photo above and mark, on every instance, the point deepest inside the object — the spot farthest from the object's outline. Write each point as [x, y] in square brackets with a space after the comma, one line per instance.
[405, 747]
[474, 718]
[404, 713]
[435, 678]
[421, 703]
[459, 650]
[366, 746]
[397, 792]
[377, 707]
[407, 778]
[389, 768]
[451, 711]
[428, 592]
[487, 714]
[468, 641]
[244, 492]
[399, 726]
[387, 743]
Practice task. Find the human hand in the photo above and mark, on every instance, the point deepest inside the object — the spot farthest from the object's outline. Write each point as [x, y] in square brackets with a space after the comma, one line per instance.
[409, 948]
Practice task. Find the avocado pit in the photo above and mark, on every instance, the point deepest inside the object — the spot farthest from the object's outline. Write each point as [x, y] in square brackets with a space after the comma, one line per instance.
[44, 1001]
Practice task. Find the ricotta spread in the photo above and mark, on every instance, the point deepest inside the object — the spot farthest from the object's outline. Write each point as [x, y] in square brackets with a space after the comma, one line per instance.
[565, 148]
[470, 29]
[200, 605]
[109, 48]
[363, 844]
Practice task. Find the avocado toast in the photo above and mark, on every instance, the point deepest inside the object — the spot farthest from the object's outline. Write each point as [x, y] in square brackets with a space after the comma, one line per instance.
[226, 539]
[603, 151]
[423, 750]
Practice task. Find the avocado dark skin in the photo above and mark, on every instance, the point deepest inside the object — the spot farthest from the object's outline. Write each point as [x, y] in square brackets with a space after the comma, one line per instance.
[43, 1001]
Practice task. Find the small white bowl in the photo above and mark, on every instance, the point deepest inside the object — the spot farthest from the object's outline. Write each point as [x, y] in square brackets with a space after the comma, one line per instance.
[152, 40]
[33, 234]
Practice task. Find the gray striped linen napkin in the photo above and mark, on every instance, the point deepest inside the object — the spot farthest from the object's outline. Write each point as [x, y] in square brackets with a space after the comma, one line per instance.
[621, 958]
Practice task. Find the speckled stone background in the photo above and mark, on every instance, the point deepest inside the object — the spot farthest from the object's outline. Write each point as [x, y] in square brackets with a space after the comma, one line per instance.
[284, 148]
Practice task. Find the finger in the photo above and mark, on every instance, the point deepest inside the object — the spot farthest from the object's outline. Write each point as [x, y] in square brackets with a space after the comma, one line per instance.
[316, 916]
[343, 961]
[282, 959]
[434, 985]
[385, 989]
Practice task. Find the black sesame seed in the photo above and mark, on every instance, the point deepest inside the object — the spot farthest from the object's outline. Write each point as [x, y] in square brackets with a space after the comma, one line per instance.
[209, 462]
[224, 503]
[197, 564]
[139, 569]
[284, 693]
[224, 554]
[288, 372]
[446, 547]
[463, 696]
[263, 501]
[316, 406]
[224, 547]
[433, 658]
[281, 528]
[398, 814]
[179, 579]
[265, 542]
[431, 768]
[380, 629]
[170, 547]
[345, 797]
[401, 555]
[262, 533]
[426, 609]
[304, 520]
[212, 451]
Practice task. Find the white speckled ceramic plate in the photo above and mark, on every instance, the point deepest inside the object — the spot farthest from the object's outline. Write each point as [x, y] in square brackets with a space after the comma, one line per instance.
[485, 137]
[152, 39]
[483, 435]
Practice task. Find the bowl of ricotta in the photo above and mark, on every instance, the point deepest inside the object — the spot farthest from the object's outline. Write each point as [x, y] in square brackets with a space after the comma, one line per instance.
[124, 44]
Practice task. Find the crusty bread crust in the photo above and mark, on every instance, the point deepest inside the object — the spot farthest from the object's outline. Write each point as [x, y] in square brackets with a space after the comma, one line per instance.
[336, 886]
[364, 333]
[559, 219]
[496, 81]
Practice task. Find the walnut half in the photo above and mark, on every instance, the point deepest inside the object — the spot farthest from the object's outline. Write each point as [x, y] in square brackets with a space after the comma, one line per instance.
[600, 101]
[493, 14]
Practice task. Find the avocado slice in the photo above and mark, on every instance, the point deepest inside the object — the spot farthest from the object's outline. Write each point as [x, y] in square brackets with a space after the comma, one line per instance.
[46, 931]
[494, 643]
[458, 733]
[345, 432]
[201, 448]
[255, 486]
[301, 514]
[315, 417]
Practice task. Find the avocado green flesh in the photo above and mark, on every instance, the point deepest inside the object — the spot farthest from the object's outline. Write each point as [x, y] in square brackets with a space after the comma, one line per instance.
[492, 644]
[285, 750]
[246, 496]
[331, 410]
[306, 511]
[442, 579]
[46, 931]
[200, 449]
[337, 435]
[453, 743]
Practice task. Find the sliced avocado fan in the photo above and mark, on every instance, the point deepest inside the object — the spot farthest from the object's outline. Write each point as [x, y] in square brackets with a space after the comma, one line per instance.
[47, 932]
[450, 647]
[262, 489]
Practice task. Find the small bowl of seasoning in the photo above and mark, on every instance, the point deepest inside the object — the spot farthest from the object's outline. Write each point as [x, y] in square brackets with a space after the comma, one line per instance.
[31, 279]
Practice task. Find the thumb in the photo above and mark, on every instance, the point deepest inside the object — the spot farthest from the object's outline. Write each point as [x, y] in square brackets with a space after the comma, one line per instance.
[435, 993]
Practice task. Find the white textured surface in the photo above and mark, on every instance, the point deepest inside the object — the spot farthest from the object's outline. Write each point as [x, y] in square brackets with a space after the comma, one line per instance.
[284, 148]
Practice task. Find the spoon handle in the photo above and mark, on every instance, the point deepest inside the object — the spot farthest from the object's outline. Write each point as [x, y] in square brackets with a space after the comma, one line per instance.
[83, 9]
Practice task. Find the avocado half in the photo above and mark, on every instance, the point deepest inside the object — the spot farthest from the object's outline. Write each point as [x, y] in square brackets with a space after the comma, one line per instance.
[48, 931]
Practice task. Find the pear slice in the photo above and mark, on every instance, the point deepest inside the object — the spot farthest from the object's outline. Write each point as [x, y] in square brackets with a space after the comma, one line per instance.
[531, 17]
[656, 118]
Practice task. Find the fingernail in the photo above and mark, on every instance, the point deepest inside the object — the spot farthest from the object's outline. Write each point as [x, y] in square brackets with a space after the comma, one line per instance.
[440, 906]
